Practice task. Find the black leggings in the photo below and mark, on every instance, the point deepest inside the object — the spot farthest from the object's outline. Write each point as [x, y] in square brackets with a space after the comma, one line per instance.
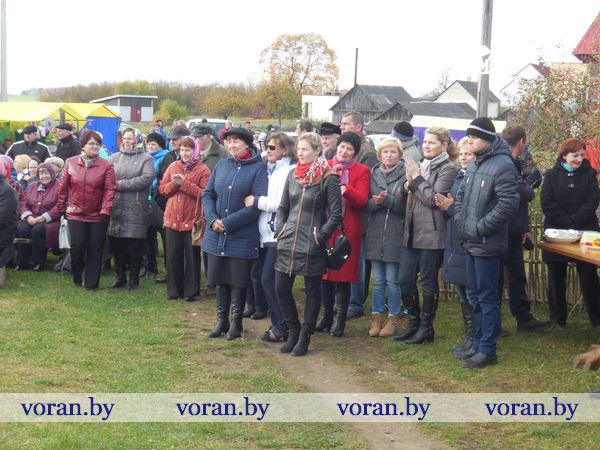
[283, 288]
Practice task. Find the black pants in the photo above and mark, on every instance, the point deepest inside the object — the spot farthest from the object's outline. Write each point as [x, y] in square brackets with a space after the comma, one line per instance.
[514, 265]
[557, 291]
[255, 295]
[268, 257]
[205, 268]
[336, 290]
[37, 249]
[87, 242]
[152, 247]
[283, 288]
[182, 281]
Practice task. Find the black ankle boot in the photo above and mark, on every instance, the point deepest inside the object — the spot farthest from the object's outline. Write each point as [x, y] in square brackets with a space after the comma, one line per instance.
[425, 333]
[223, 302]
[121, 278]
[291, 342]
[238, 300]
[301, 346]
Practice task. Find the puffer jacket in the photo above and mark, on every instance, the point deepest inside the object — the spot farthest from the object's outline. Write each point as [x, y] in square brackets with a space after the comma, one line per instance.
[386, 221]
[182, 199]
[569, 201]
[487, 199]
[454, 269]
[86, 192]
[306, 218]
[231, 181]
[269, 203]
[424, 223]
[134, 172]
[519, 223]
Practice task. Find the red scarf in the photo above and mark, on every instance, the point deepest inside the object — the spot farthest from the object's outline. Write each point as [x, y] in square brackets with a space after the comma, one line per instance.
[308, 174]
[246, 155]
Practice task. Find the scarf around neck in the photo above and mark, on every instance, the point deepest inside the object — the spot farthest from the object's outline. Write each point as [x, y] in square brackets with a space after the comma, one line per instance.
[342, 168]
[427, 163]
[308, 174]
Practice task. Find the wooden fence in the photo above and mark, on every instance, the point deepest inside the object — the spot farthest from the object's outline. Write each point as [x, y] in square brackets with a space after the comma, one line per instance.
[535, 269]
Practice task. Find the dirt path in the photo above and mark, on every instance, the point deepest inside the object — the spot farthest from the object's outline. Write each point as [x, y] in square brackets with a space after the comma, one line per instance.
[322, 373]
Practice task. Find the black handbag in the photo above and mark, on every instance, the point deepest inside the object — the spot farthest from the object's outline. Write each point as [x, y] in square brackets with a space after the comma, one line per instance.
[340, 252]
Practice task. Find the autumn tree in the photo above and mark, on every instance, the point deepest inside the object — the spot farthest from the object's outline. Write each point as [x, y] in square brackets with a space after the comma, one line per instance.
[555, 108]
[302, 61]
[233, 99]
[278, 100]
[170, 110]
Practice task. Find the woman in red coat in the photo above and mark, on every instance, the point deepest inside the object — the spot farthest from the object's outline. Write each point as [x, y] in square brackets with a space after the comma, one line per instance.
[355, 184]
[39, 218]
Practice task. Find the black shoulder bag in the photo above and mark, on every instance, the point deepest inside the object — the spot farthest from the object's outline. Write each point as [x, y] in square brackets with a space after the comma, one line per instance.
[339, 253]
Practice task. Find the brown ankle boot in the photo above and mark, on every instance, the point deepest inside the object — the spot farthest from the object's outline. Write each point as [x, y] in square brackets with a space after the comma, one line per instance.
[376, 324]
[391, 327]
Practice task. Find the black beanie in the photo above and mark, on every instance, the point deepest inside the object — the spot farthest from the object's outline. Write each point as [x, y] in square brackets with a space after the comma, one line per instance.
[352, 138]
[403, 131]
[158, 138]
[482, 127]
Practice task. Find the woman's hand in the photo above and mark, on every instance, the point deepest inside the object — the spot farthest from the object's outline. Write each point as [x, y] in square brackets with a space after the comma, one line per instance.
[178, 179]
[249, 201]
[378, 199]
[343, 188]
[31, 221]
[412, 169]
[443, 202]
[217, 226]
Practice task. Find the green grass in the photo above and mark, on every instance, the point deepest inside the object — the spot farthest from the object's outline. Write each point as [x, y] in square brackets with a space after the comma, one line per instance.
[540, 362]
[55, 337]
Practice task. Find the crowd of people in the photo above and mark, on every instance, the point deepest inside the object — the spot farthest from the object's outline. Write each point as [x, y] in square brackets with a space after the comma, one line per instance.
[252, 211]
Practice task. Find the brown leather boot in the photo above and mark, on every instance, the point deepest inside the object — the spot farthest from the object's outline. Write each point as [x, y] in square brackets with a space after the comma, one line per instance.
[390, 328]
[376, 324]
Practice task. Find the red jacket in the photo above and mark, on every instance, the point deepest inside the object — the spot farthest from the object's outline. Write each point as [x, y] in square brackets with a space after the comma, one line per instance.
[35, 202]
[85, 193]
[182, 199]
[356, 197]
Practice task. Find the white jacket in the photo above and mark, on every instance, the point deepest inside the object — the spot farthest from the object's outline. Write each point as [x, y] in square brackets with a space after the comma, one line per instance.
[268, 204]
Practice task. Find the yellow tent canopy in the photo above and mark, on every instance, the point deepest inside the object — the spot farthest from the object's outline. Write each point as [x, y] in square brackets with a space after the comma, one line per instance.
[92, 109]
[37, 111]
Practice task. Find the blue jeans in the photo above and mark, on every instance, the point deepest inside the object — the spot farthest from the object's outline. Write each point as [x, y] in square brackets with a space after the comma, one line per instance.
[386, 281]
[482, 291]
[357, 289]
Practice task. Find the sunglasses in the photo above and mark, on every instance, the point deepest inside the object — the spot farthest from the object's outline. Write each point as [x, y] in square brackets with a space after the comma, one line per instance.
[272, 147]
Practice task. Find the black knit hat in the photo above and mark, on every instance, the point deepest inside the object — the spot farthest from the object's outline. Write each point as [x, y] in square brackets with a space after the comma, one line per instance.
[351, 138]
[30, 129]
[158, 138]
[327, 129]
[242, 133]
[403, 131]
[482, 127]
[179, 132]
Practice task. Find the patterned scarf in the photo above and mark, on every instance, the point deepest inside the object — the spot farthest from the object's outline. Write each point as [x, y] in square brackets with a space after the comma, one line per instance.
[342, 169]
[308, 174]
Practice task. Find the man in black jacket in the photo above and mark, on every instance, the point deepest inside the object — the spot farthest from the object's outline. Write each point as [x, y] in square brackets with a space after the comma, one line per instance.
[67, 145]
[30, 145]
[486, 201]
[519, 236]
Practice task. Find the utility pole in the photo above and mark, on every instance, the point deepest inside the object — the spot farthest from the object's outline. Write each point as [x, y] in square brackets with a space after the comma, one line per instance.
[3, 84]
[483, 90]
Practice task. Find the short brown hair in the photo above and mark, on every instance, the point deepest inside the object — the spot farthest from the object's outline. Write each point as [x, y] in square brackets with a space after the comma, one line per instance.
[187, 142]
[571, 145]
[90, 134]
[513, 134]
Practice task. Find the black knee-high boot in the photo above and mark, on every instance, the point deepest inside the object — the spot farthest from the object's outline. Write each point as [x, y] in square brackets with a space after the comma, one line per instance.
[238, 300]
[121, 277]
[135, 265]
[223, 302]
[328, 299]
[411, 303]
[342, 300]
[425, 333]
[467, 314]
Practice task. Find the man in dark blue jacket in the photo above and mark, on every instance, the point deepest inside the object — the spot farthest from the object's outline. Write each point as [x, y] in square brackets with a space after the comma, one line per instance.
[519, 236]
[485, 202]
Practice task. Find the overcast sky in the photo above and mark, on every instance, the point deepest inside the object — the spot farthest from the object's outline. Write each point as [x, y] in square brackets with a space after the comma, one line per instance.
[406, 43]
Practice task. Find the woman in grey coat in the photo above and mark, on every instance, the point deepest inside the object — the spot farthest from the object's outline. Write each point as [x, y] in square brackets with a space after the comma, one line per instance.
[134, 171]
[425, 232]
[387, 205]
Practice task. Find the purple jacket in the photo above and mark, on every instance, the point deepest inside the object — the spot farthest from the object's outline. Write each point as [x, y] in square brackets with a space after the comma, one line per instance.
[36, 202]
